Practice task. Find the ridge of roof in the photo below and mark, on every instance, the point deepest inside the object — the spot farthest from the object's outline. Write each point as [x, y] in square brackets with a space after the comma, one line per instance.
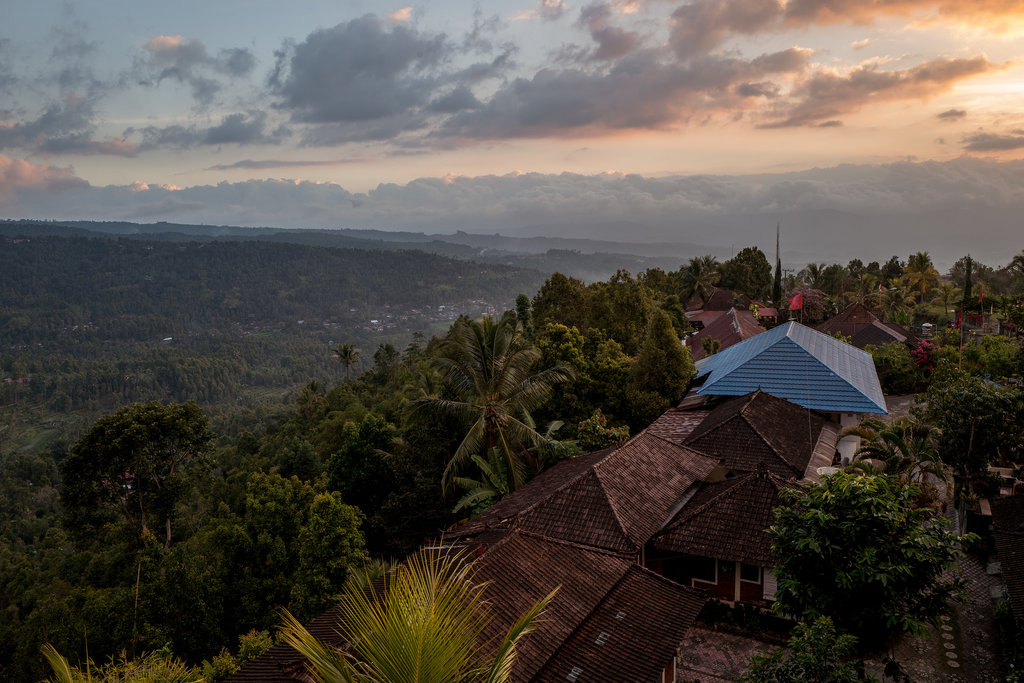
[738, 485]
[746, 401]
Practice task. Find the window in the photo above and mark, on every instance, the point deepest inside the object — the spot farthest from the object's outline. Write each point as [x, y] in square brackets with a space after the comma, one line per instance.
[750, 573]
[704, 569]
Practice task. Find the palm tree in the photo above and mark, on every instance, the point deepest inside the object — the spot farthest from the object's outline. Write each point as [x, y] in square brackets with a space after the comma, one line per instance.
[897, 301]
[700, 277]
[349, 356]
[489, 382]
[813, 275]
[921, 273]
[908, 448]
[492, 485]
[947, 292]
[426, 626]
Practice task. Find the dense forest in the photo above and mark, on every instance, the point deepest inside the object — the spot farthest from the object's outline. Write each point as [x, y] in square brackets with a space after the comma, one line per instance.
[182, 524]
[90, 324]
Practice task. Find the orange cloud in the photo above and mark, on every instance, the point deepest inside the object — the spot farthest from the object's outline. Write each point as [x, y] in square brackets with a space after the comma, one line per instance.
[825, 95]
[17, 175]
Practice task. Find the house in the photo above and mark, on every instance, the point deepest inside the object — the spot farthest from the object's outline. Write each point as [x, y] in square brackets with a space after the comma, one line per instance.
[727, 329]
[702, 312]
[801, 365]
[864, 328]
[610, 620]
[582, 525]
[717, 540]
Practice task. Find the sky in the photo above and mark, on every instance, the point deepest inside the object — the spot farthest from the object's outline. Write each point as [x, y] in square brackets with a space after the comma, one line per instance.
[884, 125]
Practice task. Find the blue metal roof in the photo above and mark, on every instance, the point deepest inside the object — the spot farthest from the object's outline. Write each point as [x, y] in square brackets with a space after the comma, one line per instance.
[799, 364]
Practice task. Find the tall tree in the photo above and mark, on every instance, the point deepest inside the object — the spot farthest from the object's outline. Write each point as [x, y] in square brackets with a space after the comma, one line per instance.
[661, 373]
[921, 273]
[699, 277]
[491, 384]
[749, 272]
[135, 463]
[425, 627]
[349, 356]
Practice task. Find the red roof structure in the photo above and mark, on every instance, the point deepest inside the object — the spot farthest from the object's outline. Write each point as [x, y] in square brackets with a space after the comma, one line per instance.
[760, 428]
[863, 327]
[726, 520]
[614, 499]
[728, 328]
[610, 617]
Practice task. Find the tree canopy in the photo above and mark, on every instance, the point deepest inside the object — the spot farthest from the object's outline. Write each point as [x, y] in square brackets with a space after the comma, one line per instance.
[856, 549]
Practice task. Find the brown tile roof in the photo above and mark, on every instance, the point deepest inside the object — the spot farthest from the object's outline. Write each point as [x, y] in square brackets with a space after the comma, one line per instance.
[632, 635]
[756, 428]
[524, 568]
[723, 299]
[878, 333]
[1008, 532]
[864, 327]
[521, 569]
[282, 663]
[614, 499]
[726, 520]
[729, 328]
[675, 424]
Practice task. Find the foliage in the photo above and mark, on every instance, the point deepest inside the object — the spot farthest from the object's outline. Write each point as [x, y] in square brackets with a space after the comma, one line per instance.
[425, 628]
[748, 272]
[854, 548]
[594, 434]
[250, 646]
[898, 373]
[978, 422]
[134, 463]
[909, 450]
[816, 653]
[490, 384]
[491, 487]
[148, 668]
[816, 305]
[661, 374]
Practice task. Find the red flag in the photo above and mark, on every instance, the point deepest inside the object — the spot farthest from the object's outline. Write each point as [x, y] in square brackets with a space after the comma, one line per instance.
[959, 317]
[981, 293]
[796, 302]
[842, 289]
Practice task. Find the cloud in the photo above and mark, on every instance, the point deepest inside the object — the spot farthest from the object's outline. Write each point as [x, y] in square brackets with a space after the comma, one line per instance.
[550, 10]
[992, 142]
[239, 128]
[187, 61]
[700, 26]
[612, 41]
[263, 164]
[400, 15]
[860, 44]
[871, 211]
[69, 118]
[640, 91]
[358, 71]
[952, 114]
[824, 95]
[18, 176]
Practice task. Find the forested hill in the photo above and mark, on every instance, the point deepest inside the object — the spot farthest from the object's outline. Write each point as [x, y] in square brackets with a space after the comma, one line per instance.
[127, 289]
[589, 260]
[90, 324]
